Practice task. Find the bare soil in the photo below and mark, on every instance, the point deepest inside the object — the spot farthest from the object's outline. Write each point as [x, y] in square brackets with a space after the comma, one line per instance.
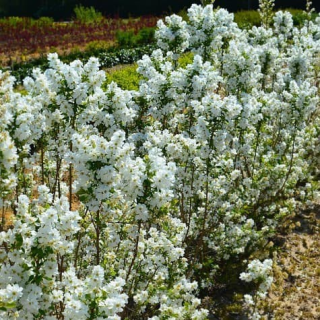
[295, 293]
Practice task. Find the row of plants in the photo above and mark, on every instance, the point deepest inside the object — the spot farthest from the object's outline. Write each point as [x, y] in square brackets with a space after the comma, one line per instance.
[24, 36]
[108, 57]
[144, 203]
[91, 34]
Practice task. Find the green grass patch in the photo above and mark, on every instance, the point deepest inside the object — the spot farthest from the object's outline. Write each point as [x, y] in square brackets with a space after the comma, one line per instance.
[126, 77]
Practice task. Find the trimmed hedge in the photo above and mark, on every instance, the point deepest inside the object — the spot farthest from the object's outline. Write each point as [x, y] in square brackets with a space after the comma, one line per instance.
[108, 58]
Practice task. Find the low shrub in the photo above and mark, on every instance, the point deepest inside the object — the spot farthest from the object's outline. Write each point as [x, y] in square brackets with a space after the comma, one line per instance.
[145, 36]
[87, 15]
[94, 47]
[125, 38]
[126, 77]
[128, 39]
[299, 16]
[44, 21]
[26, 36]
[123, 56]
[247, 18]
[14, 21]
[108, 57]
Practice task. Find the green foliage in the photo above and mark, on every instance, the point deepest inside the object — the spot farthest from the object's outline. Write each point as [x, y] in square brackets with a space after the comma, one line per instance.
[300, 16]
[45, 21]
[247, 19]
[128, 39]
[123, 56]
[26, 23]
[14, 21]
[125, 38]
[183, 13]
[126, 77]
[108, 58]
[206, 2]
[145, 36]
[98, 46]
[87, 15]
[185, 59]
[7, 306]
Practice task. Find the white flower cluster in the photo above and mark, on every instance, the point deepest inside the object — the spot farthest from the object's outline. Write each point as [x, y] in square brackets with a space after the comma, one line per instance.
[259, 273]
[194, 169]
[265, 10]
[8, 150]
[173, 36]
[43, 280]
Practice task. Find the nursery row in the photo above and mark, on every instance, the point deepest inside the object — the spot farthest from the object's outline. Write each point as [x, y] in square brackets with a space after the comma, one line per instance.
[23, 39]
[20, 37]
[144, 203]
[108, 58]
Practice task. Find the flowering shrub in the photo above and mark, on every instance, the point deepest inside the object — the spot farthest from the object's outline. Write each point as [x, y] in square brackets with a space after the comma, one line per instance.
[137, 202]
[8, 151]
[265, 11]
[258, 272]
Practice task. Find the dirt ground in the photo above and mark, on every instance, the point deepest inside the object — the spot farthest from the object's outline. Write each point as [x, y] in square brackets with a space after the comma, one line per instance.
[295, 293]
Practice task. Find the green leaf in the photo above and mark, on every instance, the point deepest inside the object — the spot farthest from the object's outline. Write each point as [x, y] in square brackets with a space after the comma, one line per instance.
[4, 306]
[19, 241]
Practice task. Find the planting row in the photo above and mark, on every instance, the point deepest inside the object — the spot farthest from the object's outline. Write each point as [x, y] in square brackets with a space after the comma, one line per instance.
[23, 39]
[20, 37]
[107, 57]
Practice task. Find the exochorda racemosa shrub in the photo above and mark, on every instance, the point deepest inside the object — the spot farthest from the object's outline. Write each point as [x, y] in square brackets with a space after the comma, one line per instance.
[8, 151]
[138, 201]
